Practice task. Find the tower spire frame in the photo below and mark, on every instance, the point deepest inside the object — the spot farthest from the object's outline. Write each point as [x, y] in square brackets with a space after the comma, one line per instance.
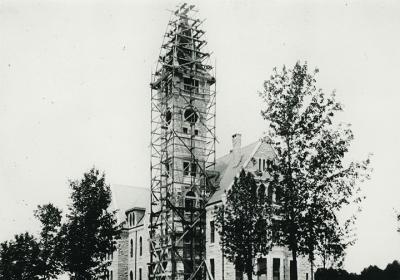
[183, 139]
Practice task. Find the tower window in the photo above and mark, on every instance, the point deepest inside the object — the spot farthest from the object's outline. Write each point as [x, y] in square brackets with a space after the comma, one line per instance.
[191, 85]
[167, 167]
[140, 273]
[131, 275]
[186, 168]
[259, 164]
[190, 115]
[168, 117]
[190, 199]
[193, 169]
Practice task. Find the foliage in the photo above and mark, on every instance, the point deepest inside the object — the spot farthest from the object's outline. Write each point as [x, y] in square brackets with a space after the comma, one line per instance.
[50, 240]
[391, 272]
[19, 258]
[90, 231]
[310, 173]
[243, 223]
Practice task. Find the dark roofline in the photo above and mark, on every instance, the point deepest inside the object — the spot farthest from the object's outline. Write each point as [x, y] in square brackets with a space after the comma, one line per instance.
[135, 208]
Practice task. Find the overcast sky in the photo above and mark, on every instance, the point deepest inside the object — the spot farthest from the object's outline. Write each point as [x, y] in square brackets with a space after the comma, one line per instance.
[74, 92]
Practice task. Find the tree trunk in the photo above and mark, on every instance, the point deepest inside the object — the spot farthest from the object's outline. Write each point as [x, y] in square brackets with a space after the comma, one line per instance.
[312, 270]
[249, 268]
[294, 270]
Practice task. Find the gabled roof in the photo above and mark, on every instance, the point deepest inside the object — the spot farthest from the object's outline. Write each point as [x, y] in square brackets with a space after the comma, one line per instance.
[125, 197]
[228, 168]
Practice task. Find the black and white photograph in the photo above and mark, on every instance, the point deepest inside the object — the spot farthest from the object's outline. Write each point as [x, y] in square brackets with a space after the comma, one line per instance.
[199, 140]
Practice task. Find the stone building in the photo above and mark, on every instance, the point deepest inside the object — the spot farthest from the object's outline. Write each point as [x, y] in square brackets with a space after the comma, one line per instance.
[130, 261]
[168, 229]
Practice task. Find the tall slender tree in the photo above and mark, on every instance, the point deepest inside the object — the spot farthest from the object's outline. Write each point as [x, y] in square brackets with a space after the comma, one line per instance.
[91, 228]
[50, 241]
[244, 222]
[314, 180]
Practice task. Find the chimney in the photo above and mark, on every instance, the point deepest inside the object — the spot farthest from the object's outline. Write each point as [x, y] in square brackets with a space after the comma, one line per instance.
[236, 146]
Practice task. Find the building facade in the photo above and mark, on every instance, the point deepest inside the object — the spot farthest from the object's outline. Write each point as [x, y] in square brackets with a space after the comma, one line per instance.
[132, 257]
[168, 230]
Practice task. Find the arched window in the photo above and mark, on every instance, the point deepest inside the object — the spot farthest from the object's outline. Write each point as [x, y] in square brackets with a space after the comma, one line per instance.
[131, 275]
[140, 273]
[131, 248]
[140, 246]
[111, 275]
[190, 200]
[190, 115]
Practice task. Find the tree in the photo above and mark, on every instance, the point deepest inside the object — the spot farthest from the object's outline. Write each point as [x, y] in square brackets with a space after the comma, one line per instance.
[243, 223]
[392, 271]
[19, 258]
[372, 273]
[50, 241]
[91, 229]
[310, 173]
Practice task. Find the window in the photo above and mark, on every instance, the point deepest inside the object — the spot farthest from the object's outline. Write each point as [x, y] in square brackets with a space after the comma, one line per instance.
[261, 266]
[212, 232]
[131, 248]
[263, 164]
[212, 268]
[306, 276]
[190, 199]
[168, 117]
[140, 246]
[167, 167]
[259, 164]
[190, 116]
[196, 132]
[193, 169]
[189, 168]
[276, 263]
[191, 85]
[111, 275]
[140, 273]
[131, 275]
[185, 130]
[186, 168]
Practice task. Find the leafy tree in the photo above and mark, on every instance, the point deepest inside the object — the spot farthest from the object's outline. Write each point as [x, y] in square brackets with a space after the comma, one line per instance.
[50, 241]
[19, 258]
[372, 273]
[243, 223]
[91, 229]
[310, 173]
[392, 271]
